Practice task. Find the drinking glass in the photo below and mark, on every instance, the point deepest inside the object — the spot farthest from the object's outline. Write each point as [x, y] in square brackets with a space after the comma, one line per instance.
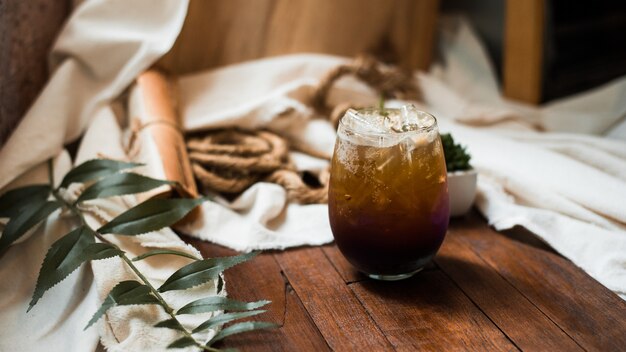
[388, 192]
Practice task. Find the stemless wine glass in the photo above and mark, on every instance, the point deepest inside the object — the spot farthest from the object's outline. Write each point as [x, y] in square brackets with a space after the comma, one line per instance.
[388, 191]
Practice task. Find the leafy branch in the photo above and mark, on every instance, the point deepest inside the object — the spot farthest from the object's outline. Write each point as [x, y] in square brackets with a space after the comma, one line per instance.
[26, 207]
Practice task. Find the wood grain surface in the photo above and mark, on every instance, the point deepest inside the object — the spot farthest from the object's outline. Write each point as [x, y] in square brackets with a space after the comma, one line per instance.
[505, 304]
[588, 312]
[484, 291]
[218, 32]
[524, 49]
[263, 279]
[429, 313]
[340, 317]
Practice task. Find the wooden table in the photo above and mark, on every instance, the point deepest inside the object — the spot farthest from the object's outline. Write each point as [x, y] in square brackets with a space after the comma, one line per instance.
[484, 291]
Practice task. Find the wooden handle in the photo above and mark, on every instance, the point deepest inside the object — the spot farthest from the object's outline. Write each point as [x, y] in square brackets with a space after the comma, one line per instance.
[159, 120]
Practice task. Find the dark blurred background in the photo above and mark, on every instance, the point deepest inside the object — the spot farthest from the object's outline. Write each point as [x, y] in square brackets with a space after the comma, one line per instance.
[584, 42]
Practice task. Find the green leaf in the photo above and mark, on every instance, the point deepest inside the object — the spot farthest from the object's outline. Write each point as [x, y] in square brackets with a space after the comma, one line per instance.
[95, 169]
[182, 342]
[242, 327]
[170, 324]
[151, 215]
[14, 200]
[120, 184]
[202, 271]
[25, 220]
[123, 294]
[66, 255]
[164, 251]
[225, 318]
[214, 303]
[97, 251]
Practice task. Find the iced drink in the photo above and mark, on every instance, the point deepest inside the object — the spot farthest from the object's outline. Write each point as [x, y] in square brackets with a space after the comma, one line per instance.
[388, 194]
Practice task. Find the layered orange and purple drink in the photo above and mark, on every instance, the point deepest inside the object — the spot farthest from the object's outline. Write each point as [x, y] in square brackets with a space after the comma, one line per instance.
[388, 193]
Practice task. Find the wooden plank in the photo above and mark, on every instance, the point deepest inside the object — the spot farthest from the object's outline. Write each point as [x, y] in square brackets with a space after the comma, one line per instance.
[347, 27]
[429, 313]
[241, 30]
[340, 317]
[414, 22]
[261, 279]
[523, 49]
[511, 311]
[588, 312]
[347, 272]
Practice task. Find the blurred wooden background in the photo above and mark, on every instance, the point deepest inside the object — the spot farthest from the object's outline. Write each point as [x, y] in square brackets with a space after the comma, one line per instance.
[543, 49]
[218, 32]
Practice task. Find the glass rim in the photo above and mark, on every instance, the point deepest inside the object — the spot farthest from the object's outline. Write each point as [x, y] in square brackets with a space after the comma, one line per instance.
[424, 129]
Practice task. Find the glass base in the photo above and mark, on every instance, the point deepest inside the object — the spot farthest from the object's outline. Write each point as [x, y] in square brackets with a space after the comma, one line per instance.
[393, 277]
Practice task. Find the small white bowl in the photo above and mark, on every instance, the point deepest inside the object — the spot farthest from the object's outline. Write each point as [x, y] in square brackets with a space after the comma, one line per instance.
[462, 191]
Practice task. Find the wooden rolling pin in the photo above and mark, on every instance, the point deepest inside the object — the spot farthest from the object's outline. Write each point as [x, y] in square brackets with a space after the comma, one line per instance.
[158, 137]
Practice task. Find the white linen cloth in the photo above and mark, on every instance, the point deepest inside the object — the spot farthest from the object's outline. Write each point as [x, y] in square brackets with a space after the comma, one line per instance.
[568, 188]
[101, 50]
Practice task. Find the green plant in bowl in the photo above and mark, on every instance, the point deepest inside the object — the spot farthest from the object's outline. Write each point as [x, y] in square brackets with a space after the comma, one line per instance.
[461, 176]
[457, 158]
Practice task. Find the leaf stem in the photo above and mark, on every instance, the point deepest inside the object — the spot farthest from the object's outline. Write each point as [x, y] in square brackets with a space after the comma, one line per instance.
[169, 310]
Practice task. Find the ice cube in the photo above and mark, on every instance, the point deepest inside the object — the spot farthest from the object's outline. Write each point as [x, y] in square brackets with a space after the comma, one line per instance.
[385, 128]
[364, 121]
[402, 120]
[410, 119]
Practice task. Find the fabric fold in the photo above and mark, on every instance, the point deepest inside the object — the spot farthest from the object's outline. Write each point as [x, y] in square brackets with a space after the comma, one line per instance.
[86, 77]
[100, 51]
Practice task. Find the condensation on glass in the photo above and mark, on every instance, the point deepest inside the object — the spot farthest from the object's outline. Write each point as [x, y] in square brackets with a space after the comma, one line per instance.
[388, 193]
